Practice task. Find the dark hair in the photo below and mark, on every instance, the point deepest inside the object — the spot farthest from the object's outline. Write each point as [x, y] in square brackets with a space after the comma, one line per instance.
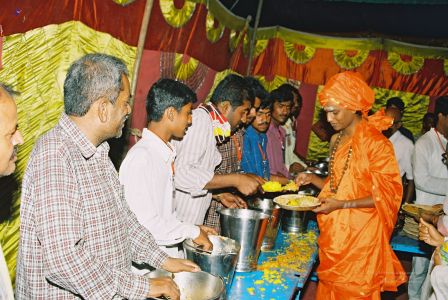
[259, 91]
[9, 90]
[281, 95]
[441, 107]
[232, 88]
[167, 93]
[266, 103]
[293, 90]
[91, 77]
[428, 116]
[397, 102]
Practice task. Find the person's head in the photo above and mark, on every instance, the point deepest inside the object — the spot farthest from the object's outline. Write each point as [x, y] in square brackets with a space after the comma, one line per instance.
[429, 121]
[297, 99]
[260, 94]
[98, 83]
[170, 101]
[10, 136]
[263, 116]
[345, 98]
[441, 114]
[395, 102]
[281, 105]
[395, 114]
[234, 98]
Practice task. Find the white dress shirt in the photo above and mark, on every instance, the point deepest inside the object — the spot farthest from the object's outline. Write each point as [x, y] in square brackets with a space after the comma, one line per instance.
[147, 176]
[6, 292]
[430, 174]
[197, 158]
[403, 148]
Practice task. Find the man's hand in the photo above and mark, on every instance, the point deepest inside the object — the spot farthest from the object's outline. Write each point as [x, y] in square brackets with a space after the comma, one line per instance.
[230, 200]
[203, 240]
[248, 184]
[328, 205]
[304, 179]
[163, 286]
[175, 265]
[429, 234]
[437, 258]
[208, 230]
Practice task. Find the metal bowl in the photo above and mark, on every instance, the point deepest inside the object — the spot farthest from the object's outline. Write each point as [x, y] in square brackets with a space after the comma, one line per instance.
[195, 285]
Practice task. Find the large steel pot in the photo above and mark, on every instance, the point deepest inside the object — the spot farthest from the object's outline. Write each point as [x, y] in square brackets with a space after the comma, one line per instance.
[221, 261]
[248, 228]
[195, 285]
[267, 206]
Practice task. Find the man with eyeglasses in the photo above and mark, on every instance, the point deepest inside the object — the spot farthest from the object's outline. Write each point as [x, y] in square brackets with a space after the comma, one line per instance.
[431, 180]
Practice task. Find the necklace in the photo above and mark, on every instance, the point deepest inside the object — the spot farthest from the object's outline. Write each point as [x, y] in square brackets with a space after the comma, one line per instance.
[333, 188]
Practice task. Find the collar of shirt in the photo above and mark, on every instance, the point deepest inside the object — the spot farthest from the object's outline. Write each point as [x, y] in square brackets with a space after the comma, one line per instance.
[251, 131]
[394, 137]
[165, 150]
[278, 131]
[86, 148]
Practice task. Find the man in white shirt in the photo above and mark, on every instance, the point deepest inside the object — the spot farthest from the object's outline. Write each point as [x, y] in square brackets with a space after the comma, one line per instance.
[403, 148]
[10, 137]
[431, 180]
[147, 172]
[198, 155]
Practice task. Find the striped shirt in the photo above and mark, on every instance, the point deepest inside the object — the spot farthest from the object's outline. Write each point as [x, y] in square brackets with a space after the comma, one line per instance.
[78, 237]
[197, 158]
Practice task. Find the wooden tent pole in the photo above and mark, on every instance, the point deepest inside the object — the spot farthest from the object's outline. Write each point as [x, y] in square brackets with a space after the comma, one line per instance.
[136, 69]
[140, 48]
[252, 40]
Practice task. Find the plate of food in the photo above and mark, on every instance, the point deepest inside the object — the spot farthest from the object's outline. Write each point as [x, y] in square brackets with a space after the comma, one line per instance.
[416, 210]
[297, 202]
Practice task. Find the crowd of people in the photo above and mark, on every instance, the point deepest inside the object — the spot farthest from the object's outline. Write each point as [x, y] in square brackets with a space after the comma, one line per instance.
[90, 232]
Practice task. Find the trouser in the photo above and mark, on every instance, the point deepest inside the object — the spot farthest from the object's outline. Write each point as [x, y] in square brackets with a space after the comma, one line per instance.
[418, 274]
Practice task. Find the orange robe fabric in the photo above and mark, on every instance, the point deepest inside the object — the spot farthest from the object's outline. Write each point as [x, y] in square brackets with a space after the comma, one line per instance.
[356, 259]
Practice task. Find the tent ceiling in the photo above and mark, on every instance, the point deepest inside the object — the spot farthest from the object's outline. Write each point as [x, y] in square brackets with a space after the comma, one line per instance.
[415, 23]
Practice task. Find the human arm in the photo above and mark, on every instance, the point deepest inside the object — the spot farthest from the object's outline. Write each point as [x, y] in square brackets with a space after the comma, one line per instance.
[247, 184]
[429, 234]
[149, 199]
[280, 178]
[330, 204]
[230, 200]
[309, 178]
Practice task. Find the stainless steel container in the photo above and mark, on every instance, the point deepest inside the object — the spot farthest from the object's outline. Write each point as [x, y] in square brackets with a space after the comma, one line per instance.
[221, 261]
[195, 285]
[297, 221]
[267, 206]
[248, 228]
[294, 221]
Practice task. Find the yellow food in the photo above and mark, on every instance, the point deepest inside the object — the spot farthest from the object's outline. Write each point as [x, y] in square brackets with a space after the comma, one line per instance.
[291, 186]
[303, 201]
[272, 186]
[296, 258]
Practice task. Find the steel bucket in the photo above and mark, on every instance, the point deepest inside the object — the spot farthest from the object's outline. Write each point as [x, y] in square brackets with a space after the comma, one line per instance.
[195, 285]
[268, 207]
[294, 221]
[221, 261]
[248, 228]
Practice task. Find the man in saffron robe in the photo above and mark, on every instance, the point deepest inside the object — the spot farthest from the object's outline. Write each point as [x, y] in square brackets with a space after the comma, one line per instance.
[360, 198]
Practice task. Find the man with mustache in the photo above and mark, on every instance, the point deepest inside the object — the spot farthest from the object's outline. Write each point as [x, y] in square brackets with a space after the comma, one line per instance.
[78, 237]
[276, 144]
[10, 138]
[255, 159]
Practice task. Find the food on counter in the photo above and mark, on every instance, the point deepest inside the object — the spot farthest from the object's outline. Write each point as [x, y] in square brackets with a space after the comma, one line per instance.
[272, 186]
